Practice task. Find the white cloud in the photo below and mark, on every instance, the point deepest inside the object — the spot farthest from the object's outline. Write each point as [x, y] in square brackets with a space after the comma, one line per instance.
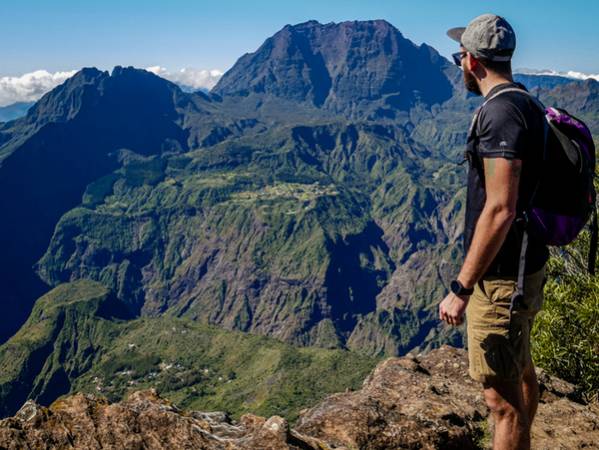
[30, 86]
[582, 76]
[189, 78]
[569, 74]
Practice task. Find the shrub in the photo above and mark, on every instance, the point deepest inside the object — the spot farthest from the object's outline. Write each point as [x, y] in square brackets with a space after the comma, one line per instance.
[565, 336]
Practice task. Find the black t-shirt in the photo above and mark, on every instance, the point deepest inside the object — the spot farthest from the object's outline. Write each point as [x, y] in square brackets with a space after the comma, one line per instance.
[509, 126]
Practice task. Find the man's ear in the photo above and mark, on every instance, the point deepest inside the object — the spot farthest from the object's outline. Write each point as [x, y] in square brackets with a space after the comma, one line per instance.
[472, 62]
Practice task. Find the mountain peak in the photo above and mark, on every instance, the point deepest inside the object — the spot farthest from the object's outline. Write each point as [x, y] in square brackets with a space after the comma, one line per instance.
[64, 101]
[375, 23]
[339, 66]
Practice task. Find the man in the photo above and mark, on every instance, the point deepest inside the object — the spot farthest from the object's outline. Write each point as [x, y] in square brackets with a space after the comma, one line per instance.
[504, 151]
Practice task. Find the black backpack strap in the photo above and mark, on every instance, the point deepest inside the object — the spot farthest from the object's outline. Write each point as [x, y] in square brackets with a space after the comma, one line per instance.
[518, 295]
[593, 243]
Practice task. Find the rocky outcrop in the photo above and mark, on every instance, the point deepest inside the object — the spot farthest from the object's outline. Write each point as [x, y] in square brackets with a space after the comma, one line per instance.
[144, 420]
[430, 402]
[425, 402]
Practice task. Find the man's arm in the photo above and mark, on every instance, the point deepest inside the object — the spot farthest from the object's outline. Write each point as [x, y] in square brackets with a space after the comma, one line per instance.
[502, 177]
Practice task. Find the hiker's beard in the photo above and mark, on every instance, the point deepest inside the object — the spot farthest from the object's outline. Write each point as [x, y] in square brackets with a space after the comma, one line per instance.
[470, 82]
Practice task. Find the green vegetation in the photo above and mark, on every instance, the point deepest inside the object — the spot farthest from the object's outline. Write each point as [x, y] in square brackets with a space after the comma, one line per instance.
[565, 337]
[264, 226]
[69, 344]
[483, 438]
[62, 336]
[207, 368]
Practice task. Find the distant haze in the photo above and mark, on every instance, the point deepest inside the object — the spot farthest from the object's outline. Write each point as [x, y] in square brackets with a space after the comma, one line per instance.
[30, 87]
[568, 74]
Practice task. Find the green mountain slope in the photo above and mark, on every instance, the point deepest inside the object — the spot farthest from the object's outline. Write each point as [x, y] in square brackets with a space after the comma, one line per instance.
[73, 342]
[59, 341]
[281, 237]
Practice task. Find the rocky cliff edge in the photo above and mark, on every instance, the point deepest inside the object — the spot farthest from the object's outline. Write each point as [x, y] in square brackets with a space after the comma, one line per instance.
[424, 401]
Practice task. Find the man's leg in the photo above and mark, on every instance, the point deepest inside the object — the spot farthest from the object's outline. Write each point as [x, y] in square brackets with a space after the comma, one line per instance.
[530, 385]
[530, 391]
[499, 349]
[512, 427]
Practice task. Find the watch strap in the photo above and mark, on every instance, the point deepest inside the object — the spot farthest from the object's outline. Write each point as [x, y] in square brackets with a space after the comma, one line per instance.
[458, 288]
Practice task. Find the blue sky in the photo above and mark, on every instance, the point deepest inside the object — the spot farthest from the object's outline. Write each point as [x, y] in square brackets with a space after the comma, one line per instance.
[64, 34]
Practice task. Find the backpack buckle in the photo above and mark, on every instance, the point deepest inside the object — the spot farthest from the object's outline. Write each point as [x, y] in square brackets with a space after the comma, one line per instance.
[517, 301]
[522, 220]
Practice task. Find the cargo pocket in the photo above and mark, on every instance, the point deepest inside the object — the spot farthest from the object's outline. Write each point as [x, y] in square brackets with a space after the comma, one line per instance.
[499, 292]
[503, 290]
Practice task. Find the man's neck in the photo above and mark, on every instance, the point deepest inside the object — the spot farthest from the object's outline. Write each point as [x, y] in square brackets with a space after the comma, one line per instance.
[492, 80]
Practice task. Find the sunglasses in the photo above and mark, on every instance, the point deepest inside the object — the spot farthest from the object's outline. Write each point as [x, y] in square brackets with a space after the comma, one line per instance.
[457, 57]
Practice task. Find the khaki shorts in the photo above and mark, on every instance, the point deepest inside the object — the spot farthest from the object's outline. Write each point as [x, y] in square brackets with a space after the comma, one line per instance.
[499, 346]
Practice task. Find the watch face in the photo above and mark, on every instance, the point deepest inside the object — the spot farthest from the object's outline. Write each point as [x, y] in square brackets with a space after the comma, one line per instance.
[455, 287]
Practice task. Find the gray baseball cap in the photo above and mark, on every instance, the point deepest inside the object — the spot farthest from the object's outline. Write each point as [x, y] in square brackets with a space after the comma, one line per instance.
[487, 36]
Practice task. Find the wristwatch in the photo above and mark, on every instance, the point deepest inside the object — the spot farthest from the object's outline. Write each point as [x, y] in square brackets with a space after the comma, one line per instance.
[458, 288]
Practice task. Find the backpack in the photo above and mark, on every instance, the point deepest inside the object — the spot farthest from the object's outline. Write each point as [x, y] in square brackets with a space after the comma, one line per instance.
[563, 199]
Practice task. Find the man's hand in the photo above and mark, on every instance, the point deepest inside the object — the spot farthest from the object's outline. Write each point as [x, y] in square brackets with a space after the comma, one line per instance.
[452, 308]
